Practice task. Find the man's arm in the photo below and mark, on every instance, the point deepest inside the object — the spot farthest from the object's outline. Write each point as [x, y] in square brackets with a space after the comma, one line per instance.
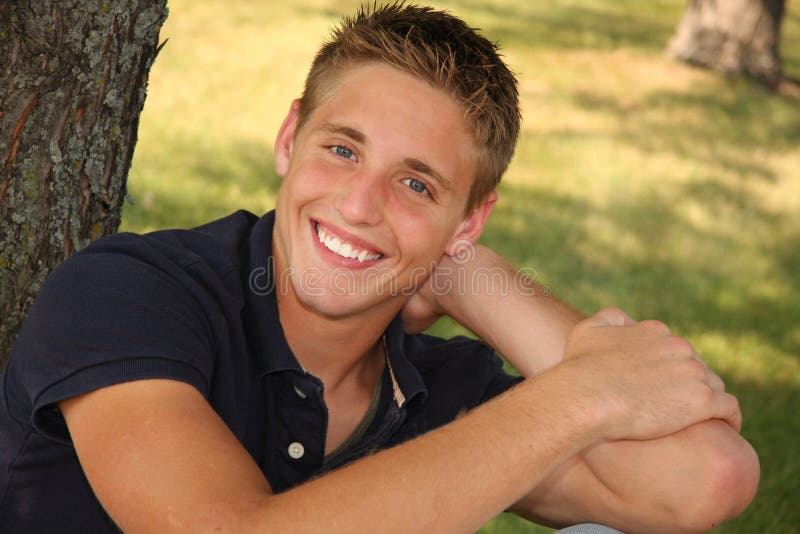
[690, 480]
[486, 295]
[159, 459]
[655, 485]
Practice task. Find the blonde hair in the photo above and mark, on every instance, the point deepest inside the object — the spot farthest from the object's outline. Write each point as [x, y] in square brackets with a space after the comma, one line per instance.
[442, 50]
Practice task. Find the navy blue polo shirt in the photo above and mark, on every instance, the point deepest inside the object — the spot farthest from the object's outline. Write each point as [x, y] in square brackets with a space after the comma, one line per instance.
[199, 306]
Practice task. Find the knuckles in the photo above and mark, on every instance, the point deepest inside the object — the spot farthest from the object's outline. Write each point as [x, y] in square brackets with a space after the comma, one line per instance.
[679, 346]
[655, 327]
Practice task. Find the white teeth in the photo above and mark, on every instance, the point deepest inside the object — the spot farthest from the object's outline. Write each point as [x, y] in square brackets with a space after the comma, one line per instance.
[334, 244]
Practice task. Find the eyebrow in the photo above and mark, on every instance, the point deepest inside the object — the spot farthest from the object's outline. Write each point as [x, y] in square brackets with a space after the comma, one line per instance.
[413, 163]
[352, 133]
[423, 168]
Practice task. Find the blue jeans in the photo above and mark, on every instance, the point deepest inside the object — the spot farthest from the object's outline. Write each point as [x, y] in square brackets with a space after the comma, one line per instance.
[588, 528]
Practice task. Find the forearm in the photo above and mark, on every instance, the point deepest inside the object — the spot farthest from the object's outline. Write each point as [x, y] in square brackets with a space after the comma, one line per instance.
[509, 310]
[699, 476]
[685, 482]
[171, 465]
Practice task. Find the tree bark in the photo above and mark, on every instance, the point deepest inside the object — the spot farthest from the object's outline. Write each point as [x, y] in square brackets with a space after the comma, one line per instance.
[733, 37]
[73, 77]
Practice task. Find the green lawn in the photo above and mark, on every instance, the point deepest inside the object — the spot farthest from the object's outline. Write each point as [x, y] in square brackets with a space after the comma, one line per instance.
[638, 182]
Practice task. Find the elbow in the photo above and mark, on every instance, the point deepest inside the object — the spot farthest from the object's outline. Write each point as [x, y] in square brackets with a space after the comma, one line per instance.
[728, 486]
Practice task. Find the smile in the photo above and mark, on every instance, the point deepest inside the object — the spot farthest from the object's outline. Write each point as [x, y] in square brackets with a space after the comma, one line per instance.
[344, 249]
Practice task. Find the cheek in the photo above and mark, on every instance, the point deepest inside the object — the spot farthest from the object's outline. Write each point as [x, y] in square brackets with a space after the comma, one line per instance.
[424, 233]
[413, 225]
[309, 180]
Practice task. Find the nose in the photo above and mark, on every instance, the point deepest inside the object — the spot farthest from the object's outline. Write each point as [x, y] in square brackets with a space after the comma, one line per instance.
[359, 199]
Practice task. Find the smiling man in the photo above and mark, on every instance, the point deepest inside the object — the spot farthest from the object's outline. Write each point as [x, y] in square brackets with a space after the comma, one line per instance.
[253, 374]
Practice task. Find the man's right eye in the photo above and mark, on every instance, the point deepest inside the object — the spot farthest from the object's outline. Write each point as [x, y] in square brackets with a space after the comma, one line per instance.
[343, 152]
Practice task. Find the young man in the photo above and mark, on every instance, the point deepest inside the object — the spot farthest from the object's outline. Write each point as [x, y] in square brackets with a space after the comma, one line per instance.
[242, 375]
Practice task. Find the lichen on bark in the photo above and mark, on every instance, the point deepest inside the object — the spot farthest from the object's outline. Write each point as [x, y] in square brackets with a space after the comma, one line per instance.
[73, 77]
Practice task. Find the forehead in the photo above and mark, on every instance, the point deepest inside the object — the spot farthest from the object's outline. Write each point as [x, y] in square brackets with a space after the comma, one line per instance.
[398, 113]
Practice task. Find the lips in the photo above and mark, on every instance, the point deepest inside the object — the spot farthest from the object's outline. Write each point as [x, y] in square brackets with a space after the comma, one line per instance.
[345, 246]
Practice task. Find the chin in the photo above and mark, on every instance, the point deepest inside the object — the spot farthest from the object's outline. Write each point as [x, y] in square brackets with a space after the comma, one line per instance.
[321, 300]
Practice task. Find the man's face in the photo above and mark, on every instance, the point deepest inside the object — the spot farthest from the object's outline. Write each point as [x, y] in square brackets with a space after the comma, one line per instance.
[374, 191]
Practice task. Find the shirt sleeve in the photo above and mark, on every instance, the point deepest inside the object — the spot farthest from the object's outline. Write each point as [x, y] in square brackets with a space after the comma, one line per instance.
[498, 380]
[116, 312]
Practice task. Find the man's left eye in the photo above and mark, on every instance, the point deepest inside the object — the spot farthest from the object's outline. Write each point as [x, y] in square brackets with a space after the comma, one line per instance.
[342, 152]
[418, 186]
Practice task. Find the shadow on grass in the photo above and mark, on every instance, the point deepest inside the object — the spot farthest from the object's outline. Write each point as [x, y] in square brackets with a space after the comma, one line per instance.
[571, 26]
[213, 181]
[575, 25]
[743, 115]
[545, 231]
[718, 130]
[730, 136]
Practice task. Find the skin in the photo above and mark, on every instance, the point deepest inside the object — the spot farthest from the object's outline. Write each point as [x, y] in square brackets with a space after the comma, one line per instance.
[556, 447]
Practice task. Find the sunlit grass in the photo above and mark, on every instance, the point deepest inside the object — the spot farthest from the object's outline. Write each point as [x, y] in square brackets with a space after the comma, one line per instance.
[639, 182]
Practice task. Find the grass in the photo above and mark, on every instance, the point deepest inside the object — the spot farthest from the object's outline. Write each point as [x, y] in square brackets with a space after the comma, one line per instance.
[669, 191]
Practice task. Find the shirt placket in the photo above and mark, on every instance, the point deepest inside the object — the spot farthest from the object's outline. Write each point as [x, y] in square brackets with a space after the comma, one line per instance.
[298, 438]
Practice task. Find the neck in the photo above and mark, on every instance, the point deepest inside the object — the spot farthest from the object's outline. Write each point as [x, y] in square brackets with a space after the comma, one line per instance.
[332, 349]
[335, 349]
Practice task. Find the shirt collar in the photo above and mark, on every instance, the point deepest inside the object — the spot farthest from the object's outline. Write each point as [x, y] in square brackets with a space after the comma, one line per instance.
[407, 383]
[267, 342]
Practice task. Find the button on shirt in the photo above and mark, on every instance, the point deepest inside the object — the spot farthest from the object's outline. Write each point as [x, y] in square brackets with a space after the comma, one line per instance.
[199, 306]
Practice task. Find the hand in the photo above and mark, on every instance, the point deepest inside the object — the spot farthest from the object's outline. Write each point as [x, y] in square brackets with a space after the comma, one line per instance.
[646, 382]
[421, 310]
[506, 309]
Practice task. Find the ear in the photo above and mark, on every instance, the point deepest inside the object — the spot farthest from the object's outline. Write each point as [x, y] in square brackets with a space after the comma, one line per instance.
[285, 140]
[471, 227]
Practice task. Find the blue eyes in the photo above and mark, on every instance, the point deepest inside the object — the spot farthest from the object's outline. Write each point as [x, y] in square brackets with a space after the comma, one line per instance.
[343, 152]
[415, 185]
[418, 186]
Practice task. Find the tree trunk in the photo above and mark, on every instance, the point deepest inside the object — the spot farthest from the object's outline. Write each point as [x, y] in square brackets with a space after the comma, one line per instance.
[73, 75]
[733, 37]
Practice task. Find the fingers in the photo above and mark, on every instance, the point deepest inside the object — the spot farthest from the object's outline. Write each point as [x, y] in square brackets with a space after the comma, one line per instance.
[714, 381]
[715, 403]
[726, 407]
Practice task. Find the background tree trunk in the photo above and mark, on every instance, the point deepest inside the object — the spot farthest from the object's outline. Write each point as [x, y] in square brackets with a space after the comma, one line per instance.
[73, 75]
[732, 36]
